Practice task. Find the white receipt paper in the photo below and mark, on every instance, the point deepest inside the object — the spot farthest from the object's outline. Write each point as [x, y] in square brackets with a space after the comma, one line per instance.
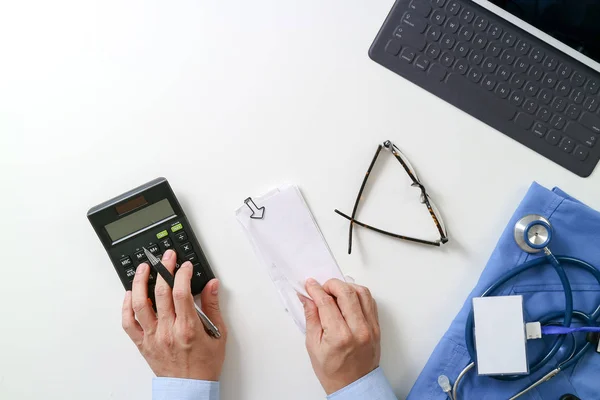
[289, 243]
[500, 335]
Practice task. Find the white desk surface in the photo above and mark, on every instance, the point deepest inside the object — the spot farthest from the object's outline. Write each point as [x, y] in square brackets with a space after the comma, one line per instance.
[226, 100]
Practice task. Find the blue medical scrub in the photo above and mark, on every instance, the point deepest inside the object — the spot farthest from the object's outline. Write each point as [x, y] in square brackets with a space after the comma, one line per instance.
[576, 234]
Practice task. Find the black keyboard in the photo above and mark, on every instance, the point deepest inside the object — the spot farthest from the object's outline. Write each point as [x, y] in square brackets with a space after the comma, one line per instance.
[498, 73]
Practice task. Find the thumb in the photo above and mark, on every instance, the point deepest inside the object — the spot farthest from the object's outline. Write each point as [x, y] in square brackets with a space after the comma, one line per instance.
[313, 322]
[210, 304]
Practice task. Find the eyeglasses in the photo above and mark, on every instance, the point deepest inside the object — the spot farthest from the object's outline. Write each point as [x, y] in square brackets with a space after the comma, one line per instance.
[424, 198]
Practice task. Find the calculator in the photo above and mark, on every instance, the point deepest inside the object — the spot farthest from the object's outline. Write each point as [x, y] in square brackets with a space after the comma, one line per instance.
[148, 216]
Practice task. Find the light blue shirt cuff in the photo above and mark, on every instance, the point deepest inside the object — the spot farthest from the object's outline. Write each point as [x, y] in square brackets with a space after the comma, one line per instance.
[373, 386]
[184, 389]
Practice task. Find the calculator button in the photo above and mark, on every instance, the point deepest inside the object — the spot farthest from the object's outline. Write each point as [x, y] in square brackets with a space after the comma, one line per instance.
[181, 236]
[130, 273]
[126, 262]
[186, 248]
[166, 243]
[140, 255]
[176, 228]
[162, 234]
[154, 249]
[193, 258]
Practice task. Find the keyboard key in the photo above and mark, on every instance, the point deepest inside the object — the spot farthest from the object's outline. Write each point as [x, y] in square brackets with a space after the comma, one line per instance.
[408, 37]
[577, 79]
[452, 25]
[489, 65]
[465, 92]
[523, 47]
[564, 71]
[437, 72]
[503, 72]
[479, 41]
[408, 55]
[434, 33]
[539, 129]
[516, 98]
[567, 145]
[414, 21]
[592, 86]
[493, 49]
[438, 17]
[559, 104]
[393, 47]
[558, 122]
[476, 57]
[536, 72]
[591, 121]
[420, 6]
[578, 96]
[495, 31]
[591, 104]
[447, 60]
[524, 121]
[453, 7]
[461, 66]
[489, 83]
[447, 41]
[581, 153]
[521, 65]
[531, 89]
[474, 75]
[537, 54]
[509, 39]
[550, 63]
[465, 33]
[508, 56]
[517, 81]
[553, 137]
[573, 111]
[582, 134]
[502, 90]
[422, 63]
[550, 80]
[545, 96]
[563, 89]
[439, 3]
[530, 106]
[462, 49]
[433, 51]
[544, 114]
[466, 16]
[481, 24]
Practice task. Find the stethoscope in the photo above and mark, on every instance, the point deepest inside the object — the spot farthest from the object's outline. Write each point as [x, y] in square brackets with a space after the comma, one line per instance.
[533, 234]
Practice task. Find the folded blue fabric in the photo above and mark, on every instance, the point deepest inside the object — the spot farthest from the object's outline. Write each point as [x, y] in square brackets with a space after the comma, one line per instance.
[577, 234]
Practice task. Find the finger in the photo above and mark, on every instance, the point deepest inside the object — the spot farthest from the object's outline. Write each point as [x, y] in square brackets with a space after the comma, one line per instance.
[163, 292]
[210, 304]
[347, 300]
[329, 313]
[314, 330]
[182, 293]
[130, 325]
[368, 305]
[142, 306]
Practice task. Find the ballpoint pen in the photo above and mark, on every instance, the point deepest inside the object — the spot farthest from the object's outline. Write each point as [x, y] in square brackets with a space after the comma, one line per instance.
[170, 279]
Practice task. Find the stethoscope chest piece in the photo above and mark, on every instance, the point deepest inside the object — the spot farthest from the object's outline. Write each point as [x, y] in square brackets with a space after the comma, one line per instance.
[533, 233]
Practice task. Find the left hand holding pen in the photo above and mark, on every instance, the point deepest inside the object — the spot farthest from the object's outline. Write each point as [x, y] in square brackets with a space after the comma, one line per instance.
[173, 341]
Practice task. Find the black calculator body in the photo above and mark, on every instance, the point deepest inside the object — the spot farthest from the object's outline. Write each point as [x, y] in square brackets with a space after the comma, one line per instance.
[148, 216]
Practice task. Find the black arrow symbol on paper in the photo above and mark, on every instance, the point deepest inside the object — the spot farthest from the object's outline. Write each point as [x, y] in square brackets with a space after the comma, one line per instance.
[257, 213]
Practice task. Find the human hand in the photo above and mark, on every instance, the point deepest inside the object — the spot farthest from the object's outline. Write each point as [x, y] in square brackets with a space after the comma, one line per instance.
[342, 332]
[173, 341]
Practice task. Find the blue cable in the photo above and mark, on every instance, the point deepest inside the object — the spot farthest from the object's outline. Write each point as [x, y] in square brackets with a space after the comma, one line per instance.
[567, 316]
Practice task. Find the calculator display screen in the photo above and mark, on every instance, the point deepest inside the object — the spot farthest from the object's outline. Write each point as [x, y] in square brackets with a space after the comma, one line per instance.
[139, 220]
